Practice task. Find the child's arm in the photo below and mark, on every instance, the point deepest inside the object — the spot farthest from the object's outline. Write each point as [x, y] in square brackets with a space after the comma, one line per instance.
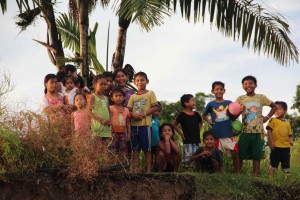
[91, 102]
[175, 125]
[66, 99]
[272, 145]
[271, 113]
[174, 146]
[128, 127]
[207, 119]
[291, 140]
[203, 153]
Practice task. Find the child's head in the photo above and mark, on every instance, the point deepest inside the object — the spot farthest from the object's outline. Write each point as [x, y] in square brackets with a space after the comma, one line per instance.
[69, 82]
[109, 78]
[80, 100]
[209, 139]
[117, 96]
[50, 82]
[120, 77]
[99, 83]
[281, 109]
[141, 80]
[158, 111]
[218, 89]
[80, 82]
[166, 128]
[249, 84]
[70, 70]
[188, 101]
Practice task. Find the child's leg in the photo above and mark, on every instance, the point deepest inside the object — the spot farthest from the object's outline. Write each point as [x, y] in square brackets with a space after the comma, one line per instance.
[236, 161]
[153, 152]
[256, 165]
[160, 161]
[135, 161]
[148, 157]
[215, 165]
[176, 161]
[285, 161]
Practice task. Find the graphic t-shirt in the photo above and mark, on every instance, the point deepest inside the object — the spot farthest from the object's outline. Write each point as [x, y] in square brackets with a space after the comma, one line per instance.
[190, 127]
[220, 117]
[281, 131]
[252, 114]
[140, 103]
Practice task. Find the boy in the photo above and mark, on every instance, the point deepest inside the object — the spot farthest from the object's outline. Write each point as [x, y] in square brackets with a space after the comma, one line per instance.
[191, 123]
[221, 123]
[251, 140]
[280, 137]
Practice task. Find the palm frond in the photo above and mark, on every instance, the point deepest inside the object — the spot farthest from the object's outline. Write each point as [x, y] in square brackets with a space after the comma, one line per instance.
[256, 27]
[27, 17]
[3, 4]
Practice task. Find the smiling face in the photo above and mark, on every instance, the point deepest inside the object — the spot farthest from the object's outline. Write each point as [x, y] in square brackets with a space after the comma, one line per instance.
[140, 82]
[209, 141]
[51, 85]
[280, 112]
[121, 79]
[218, 91]
[249, 86]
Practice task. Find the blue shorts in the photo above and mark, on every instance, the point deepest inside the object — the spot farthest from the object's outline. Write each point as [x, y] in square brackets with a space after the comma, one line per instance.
[141, 138]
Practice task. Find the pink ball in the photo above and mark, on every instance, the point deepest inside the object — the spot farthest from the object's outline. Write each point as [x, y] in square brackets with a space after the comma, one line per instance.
[234, 108]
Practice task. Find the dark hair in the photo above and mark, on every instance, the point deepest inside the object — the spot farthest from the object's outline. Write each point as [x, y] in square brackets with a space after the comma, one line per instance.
[69, 77]
[166, 124]
[143, 74]
[82, 94]
[108, 74]
[217, 83]
[282, 104]
[60, 76]
[47, 78]
[252, 78]
[80, 81]
[185, 99]
[117, 90]
[69, 68]
[119, 70]
[207, 133]
[98, 77]
[159, 105]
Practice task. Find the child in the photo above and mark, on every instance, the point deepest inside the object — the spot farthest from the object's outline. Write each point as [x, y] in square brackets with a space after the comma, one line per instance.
[208, 158]
[121, 79]
[168, 153]
[67, 70]
[80, 86]
[251, 140]
[109, 76]
[280, 138]
[221, 123]
[120, 117]
[81, 118]
[70, 89]
[155, 131]
[98, 104]
[141, 105]
[191, 123]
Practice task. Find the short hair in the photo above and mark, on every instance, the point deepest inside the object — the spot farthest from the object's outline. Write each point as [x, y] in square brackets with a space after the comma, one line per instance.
[214, 84]
[98, 77]
[117, 90]
[282, 104]
[252, 78]
[166, 124]
[207, 133]
[185, 99]
[143, 74]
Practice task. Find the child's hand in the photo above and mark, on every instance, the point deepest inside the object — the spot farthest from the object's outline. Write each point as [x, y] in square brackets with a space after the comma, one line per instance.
[167, 137]
[182, 137]
[210, 122]
[107, 123]
[206, 153]
[137, 116]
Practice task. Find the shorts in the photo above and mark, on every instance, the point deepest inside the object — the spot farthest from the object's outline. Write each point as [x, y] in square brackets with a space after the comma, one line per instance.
[119, 143]
[251, 146]
[188, 151]
[141, 138]
[225, 144]
[280, 155]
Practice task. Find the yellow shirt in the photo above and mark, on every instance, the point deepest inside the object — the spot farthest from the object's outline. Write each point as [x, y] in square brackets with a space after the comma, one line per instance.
[281, 131]
[139, 104]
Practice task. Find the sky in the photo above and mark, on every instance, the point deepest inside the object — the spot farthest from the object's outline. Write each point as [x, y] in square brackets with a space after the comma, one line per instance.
[179, 57]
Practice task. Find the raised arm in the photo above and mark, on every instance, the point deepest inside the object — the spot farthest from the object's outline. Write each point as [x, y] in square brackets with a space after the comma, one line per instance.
[271, 113]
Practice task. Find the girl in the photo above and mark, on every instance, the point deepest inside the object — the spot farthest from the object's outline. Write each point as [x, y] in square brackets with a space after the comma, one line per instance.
[98, 104]
[52, 104]
[121, 79]
[208, 158]
[141, 105]
[168, 155]
[67, 70]
[81, 118]
[120, 116]
[70, 89]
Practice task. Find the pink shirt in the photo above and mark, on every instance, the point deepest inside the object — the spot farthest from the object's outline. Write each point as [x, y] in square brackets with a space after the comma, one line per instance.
[82, 122]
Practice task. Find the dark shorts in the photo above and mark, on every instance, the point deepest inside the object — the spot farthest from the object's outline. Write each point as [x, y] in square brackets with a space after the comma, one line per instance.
[251, 146]
[141, 138]
[119, 143]
[280, 155]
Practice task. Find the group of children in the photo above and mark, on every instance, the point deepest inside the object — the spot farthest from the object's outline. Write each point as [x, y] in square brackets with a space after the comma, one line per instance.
[127, 122]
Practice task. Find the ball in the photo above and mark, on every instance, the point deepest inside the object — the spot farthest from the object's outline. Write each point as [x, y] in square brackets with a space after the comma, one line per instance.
[234, 108]
[236, 126]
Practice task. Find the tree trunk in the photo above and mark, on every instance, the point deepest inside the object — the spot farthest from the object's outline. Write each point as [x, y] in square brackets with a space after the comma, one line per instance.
[55, 42]
[83, 20]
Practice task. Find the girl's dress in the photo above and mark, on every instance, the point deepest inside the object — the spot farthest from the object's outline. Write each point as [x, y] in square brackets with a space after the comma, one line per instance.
[71, 94]
[100, 108]
[82, 123]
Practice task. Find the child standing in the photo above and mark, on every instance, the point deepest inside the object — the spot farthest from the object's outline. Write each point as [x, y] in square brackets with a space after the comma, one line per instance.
[208, 158]
[81, 118]
[121, 79]
[70, 89]
[155, 138]
[120, 117]
[191, 123]
[141, 105]
[168, 153]
[251, 140]
[221, 123]
[98, 104]
[280, 138]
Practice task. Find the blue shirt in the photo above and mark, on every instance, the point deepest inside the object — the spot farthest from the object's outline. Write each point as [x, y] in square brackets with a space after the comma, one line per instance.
[155, 132]
[220, 117]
